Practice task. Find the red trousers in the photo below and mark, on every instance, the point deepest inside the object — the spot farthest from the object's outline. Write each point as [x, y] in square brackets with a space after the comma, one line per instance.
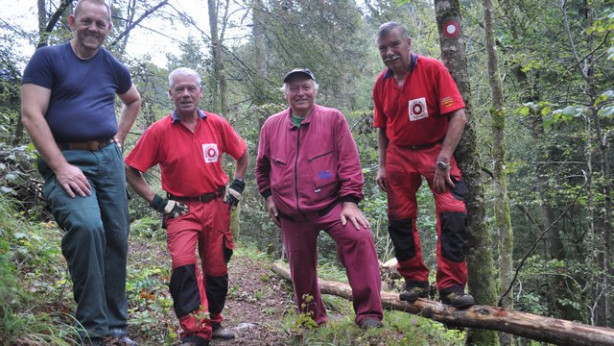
[404, 171]
[356, 252]
[199, 297]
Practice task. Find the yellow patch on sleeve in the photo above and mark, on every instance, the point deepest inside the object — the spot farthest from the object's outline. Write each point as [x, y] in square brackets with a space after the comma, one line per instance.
[447, 101]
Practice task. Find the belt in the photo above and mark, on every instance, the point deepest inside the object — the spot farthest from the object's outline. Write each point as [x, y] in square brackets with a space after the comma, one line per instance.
[205, 198]
[92, 145]
[418, 147]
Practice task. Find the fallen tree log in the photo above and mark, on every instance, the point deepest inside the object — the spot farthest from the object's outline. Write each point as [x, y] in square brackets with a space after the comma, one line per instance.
[552, 330]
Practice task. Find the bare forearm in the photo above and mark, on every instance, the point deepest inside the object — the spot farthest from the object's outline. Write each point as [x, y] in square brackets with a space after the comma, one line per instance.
[241, 168]
[130, 110]
[456, 125]
[382, 146]
[138, 184]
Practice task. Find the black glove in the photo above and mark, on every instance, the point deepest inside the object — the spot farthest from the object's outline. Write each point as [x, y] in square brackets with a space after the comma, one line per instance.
[170, 208]
[234, 192]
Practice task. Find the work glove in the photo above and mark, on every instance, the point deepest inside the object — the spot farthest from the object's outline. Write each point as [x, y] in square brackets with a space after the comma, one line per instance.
[234, 192]
[170, 208]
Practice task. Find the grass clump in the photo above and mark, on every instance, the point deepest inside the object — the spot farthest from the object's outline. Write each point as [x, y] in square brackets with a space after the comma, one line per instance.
[34, 312]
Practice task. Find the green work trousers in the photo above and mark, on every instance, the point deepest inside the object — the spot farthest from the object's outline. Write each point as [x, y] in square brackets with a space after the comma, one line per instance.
[95, 242]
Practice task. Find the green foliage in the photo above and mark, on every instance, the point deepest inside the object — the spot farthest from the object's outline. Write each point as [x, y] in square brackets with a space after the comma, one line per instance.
[20, 180]
[9, 291]
[29, 257]
[399, 329]
[148, 227]
[304, 319]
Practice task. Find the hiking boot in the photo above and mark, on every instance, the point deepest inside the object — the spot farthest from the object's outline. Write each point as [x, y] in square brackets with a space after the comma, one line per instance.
[414, 290]
[459, 300]
[219, 332]
[369, 323]
[123, 340]
[119, 337]
[93, 342]
[193, 340]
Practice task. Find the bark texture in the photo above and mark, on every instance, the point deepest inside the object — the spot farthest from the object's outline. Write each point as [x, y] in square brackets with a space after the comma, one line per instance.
[501, 201]
[480, 269]
[552, 330]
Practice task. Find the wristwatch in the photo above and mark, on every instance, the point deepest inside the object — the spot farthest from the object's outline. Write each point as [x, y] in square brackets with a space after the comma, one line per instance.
[443, 165]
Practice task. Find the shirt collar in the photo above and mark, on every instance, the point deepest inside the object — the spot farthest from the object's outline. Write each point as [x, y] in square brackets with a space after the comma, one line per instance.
[306, 120]
[412, 65]
[175, 117]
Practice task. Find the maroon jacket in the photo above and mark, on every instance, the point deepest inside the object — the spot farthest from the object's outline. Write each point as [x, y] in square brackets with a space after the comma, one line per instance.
[307, 169]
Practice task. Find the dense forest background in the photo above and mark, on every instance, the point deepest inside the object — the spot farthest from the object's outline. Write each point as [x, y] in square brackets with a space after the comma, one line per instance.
[541, 120]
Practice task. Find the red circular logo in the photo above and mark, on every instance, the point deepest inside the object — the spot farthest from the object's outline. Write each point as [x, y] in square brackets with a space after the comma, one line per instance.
[211, 152]
[417, 109]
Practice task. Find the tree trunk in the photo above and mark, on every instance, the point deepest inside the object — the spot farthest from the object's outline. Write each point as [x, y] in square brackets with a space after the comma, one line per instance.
[130, 13]
[260, 52]
[42, 16]
[539, 328]
[219, 96]
[502, 207]
[479, 259]
[53, 20]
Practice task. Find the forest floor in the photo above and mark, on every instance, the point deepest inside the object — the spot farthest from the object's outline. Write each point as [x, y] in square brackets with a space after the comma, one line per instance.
[259, 307]
[256, 303]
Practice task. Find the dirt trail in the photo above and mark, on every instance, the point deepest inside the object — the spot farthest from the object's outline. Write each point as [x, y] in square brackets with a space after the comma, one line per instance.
[256, 302]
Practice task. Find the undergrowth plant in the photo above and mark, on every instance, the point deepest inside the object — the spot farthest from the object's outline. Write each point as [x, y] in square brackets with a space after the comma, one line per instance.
[399, 329]
[34, 310]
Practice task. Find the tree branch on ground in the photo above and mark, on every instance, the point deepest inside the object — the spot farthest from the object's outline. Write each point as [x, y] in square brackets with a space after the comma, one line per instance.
[547, 329]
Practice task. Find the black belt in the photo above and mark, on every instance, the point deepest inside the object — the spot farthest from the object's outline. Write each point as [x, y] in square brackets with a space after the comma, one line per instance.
[207, 197]
[318, 213]
[92, 145]
[418, 147]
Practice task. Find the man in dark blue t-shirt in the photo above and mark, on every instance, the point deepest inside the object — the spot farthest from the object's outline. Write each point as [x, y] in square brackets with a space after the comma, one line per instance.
[68, 100]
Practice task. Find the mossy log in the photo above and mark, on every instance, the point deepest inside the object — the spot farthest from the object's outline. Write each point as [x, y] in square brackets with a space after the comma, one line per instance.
[552, 330]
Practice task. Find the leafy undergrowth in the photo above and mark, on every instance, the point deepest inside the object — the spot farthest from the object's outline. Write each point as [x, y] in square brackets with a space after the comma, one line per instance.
[36, 292]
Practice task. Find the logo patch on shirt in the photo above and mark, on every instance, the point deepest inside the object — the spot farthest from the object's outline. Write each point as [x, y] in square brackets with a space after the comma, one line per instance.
[322, 175]
[447, 101]
[210, 152]
[417, 109]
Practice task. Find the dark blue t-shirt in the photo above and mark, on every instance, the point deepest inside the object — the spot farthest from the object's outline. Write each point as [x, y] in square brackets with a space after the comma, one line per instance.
[82, 102]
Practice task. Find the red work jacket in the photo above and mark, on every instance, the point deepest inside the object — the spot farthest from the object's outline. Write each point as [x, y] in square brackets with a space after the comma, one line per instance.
[308, 168]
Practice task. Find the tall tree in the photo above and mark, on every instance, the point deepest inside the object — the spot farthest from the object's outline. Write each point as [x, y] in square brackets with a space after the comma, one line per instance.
[260, 51]
[336, 51]
[501, 201]
[480, 260]
[45, 28]
[220, 96]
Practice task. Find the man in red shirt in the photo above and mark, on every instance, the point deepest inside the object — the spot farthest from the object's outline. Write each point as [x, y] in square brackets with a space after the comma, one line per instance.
[188, 145]
[308, 170]
[419, 114]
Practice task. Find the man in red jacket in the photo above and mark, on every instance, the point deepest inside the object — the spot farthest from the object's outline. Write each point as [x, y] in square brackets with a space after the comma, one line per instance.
[309, 172]
[420, 116]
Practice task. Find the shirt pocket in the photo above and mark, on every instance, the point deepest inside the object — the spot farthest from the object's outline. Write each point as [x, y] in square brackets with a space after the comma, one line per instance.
[280, 172]
[323, 170]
